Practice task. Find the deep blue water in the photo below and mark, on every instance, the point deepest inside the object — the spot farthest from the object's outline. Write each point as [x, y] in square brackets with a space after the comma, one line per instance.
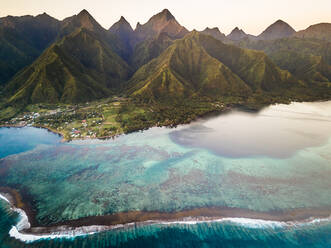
[198, 235]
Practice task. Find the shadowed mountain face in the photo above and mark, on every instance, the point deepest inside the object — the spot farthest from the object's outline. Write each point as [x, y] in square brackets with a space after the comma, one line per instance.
[277, 30]
[320, 31]
[123, 30]
[200, 65]
[150, 49]
[162, 22]
[22, 39]
[215, 32]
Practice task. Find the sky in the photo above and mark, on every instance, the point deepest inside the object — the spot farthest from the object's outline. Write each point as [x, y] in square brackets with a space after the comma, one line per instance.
[253, 16]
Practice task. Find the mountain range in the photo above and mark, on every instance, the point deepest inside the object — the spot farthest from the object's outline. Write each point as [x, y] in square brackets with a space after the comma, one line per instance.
[76, 60]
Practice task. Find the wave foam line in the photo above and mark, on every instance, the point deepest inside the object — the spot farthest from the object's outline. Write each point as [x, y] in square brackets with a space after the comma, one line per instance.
[4, 198]
[64, 232]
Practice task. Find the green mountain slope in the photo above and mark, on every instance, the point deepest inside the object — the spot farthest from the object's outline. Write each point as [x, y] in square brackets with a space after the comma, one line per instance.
[185, 69]
[80, 67]
[305, 66]
[254, 67]
[200, 65]
[22, 40]
[307, 59]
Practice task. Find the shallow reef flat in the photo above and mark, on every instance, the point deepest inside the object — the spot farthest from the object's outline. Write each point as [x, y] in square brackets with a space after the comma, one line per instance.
[155, 171]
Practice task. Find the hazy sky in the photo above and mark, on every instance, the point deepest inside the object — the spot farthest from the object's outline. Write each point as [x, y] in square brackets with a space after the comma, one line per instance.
[251, 15]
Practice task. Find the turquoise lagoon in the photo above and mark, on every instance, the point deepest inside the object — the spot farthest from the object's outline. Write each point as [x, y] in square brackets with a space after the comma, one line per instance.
[276, 160]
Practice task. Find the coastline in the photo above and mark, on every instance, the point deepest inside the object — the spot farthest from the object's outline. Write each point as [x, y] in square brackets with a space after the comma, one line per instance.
[57, 132]
[90, 225]
[224, 110]
[31, 230]
[62, 134]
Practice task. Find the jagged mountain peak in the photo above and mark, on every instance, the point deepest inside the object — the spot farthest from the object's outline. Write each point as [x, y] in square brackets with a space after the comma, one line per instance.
[82, 20]
[123, 30]
[215, 32]
[84, 12]
[279, 21]
[85, 16]
[121, 24]
[165, 13]
[123, 20]
[161, 17]
[238, 30]
[237, 34]
[161, 22]
[44, 15]
[214, 29]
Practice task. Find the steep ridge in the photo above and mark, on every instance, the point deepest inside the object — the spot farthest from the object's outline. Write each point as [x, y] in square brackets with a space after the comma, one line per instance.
[277, 30]
[77, 68]
[85, 20]
[254, 67]
[84, 61]
[200, 65]
[186, 69]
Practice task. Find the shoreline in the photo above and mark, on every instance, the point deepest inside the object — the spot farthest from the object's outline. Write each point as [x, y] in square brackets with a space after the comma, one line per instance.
[61, 134]
[22, 203]
[63, 139]
[22, 230]
[93, 224]
[239, 106]
[242, 107]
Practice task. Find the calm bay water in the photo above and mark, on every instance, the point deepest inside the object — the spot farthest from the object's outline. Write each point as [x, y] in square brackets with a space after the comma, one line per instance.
[16, 140]
[274, 160]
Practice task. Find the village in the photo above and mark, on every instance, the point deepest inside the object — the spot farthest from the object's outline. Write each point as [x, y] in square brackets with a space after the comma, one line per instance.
[80, 121]
[110, 117]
